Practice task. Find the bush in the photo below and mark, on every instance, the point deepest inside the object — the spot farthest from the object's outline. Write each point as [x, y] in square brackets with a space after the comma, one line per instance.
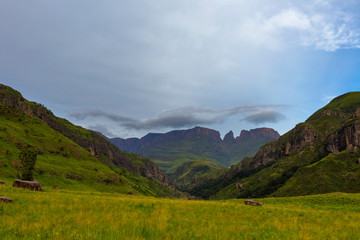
[27, 159]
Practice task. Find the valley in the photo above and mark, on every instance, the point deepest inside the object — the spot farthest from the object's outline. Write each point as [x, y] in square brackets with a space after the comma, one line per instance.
[308, 179]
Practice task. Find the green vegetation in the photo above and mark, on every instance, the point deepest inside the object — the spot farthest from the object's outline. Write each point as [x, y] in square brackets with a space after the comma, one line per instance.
[27, 160]
[61, 163]
[170, 155]
[91, 215]
[320, 155]
[194, 172]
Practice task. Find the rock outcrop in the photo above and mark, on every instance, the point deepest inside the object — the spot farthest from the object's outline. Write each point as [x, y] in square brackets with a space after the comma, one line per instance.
[31, 185]
[229, 138]
[5, 200]
[253, 203]
[347, 138]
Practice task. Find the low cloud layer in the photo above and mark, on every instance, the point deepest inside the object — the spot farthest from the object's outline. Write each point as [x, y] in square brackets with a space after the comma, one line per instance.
[265, 117]
[188, 117]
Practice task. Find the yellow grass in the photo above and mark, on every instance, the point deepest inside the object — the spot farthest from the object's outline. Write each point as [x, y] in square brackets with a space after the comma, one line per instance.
[91, 215]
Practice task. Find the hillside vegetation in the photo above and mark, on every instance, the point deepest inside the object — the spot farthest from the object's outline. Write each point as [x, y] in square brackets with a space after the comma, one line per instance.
[69, 156]
[192, 173]
[320, 155]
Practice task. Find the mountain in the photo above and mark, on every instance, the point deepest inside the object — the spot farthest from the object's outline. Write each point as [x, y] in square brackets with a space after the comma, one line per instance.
[170, 150]
[70, 156]
[320, 155]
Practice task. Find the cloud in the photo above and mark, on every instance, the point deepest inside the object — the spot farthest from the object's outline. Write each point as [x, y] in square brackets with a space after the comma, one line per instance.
[102, 129]
[328, 30]
[265, 117]
[186, 117]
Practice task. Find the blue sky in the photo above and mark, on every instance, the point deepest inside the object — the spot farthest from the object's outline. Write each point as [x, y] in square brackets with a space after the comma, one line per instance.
[127, 68]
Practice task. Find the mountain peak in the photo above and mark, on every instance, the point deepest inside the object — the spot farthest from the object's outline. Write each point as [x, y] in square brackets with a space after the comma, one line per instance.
[258, 133]
[229, 137]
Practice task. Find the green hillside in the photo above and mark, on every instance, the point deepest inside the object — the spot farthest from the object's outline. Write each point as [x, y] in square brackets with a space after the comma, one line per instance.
[62, 163]
[320, 155]
[194, 172]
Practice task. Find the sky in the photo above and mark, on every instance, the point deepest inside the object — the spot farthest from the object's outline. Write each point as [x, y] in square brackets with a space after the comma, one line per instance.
[127, 68]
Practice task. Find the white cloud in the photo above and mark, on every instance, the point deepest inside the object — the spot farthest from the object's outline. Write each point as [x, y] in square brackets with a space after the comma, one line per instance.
[308, 27]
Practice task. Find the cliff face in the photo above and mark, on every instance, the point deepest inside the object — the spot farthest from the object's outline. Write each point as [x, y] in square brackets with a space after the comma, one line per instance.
[347, 138]
[257, 133]
[169, 149]
[96, 144]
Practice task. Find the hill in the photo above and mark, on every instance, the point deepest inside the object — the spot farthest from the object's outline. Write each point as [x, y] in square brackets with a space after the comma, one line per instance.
[170, 150]
[192, 173]
[320, 155]
[70, 156]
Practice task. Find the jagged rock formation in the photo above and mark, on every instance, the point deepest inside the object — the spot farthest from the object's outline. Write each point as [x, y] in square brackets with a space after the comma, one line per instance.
[171, 149]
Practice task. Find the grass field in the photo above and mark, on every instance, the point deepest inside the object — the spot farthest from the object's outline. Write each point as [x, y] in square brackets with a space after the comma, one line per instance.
[66, 214]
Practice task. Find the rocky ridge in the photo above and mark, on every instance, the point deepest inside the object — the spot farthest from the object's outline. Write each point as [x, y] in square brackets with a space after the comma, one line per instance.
[199, 141]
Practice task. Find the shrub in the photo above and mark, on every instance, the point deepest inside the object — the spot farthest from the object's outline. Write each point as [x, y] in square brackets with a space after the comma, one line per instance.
[27, 159]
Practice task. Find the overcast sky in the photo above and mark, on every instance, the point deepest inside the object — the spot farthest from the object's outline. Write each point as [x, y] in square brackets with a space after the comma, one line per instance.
[127, 68]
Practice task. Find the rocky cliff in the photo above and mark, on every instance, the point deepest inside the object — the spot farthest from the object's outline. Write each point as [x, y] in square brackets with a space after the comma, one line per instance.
[175, 147]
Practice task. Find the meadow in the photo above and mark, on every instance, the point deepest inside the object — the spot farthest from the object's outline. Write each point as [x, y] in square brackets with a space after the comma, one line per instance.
[65, 214]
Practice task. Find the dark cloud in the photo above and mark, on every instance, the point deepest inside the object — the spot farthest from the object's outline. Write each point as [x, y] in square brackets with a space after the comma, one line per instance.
[102, 129]
[187, 117]
[265, 117]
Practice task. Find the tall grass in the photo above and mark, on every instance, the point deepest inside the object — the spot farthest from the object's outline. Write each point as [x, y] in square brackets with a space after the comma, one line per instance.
[92, 215]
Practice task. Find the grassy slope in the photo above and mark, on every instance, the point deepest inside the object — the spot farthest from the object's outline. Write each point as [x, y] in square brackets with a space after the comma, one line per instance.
[91, 215]
[170, 155]
[61, 162]
[306, 172]
[249, 149]
[194, 171]
[336, 172]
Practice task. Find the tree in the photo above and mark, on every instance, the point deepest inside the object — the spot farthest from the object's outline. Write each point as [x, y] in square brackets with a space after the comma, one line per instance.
[27, 159]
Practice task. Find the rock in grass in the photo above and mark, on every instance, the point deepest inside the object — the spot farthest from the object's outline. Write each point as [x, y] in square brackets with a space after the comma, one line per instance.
[32, 185]
[253, 203]
[5, 199]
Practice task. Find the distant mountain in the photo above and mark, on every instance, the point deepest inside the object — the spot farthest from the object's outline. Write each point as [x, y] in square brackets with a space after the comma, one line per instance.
[320, 155]
[170, 150]
[70, 156]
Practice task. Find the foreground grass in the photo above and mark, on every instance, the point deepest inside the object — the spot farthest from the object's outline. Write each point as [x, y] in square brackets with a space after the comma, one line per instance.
[91, 215]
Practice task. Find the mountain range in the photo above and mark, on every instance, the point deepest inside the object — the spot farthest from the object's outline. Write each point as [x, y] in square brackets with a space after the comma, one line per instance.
[170, 150]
